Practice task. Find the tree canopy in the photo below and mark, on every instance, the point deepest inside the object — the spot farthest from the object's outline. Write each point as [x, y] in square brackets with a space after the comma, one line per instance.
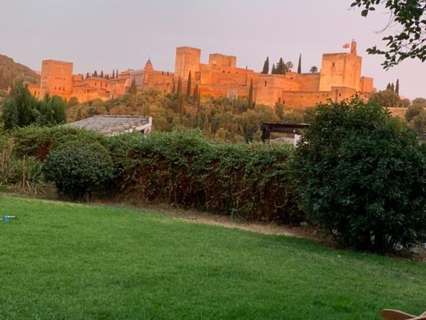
[409, 40]
[21, 109]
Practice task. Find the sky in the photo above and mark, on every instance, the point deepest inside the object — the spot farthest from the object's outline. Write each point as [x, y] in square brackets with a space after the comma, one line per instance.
[122, 34]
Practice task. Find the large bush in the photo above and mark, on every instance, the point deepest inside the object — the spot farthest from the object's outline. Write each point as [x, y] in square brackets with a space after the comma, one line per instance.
[247, 181]
[79, 169]
[39, 141]
[362, 176]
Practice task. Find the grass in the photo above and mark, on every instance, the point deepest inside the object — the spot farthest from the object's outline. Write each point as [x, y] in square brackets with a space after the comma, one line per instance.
[70, 261]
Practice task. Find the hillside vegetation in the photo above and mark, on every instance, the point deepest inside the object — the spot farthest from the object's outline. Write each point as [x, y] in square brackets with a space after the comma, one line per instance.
[11, 71]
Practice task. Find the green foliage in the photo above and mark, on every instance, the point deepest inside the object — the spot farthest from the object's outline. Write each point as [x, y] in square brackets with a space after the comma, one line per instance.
[218, 118]
[21, 109]
[78, 169]
[22, 174]
[182, 168]
[387, 98]
[362, 177]
[39, 141]
[409, 39]
[189, 85]
[416, 116]
[265, 69]
[133, 89]
[299, 64]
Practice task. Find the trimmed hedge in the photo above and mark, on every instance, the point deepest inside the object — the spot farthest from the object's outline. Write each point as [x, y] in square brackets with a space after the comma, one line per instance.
[38, 141]
[252, 182]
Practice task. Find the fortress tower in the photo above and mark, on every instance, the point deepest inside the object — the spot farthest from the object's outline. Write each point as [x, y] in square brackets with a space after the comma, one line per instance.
[56, 78]
[341, 70]
[187, 60]
[221, 60]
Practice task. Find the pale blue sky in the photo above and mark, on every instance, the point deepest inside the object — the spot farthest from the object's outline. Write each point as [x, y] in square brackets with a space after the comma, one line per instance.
[108, 34]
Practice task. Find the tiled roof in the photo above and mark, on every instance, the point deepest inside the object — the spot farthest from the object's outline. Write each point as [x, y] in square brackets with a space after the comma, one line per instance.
[110, 125]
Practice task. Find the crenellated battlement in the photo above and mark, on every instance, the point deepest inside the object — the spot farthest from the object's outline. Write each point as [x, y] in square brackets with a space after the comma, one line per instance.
[339, 78]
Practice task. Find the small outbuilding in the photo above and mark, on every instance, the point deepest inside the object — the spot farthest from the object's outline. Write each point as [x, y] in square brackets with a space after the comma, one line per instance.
[111, 125]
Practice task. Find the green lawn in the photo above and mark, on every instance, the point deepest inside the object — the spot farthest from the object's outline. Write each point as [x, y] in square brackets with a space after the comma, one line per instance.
[70, 261]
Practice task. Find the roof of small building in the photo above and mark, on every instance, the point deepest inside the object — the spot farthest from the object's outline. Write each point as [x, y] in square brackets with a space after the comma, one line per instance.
[110, 125]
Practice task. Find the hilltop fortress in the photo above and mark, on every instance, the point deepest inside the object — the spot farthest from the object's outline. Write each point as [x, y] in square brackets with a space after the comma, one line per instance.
[339, 78]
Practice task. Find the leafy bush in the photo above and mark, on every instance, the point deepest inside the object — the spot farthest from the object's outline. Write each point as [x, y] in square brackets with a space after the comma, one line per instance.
[78, 169]
[38, 141]
[362, 176]
[23, 174]
[247, 181]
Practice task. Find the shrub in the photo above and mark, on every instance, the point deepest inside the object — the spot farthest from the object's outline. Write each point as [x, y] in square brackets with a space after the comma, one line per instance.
[246, 181]
[362, 176]
[78, 169]
[38, 141]
[24, 174]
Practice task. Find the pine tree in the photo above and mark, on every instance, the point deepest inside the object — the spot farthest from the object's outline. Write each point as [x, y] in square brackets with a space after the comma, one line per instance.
[189, 85]
[314, 69]
[251, 95]
[266, 66]
[397, 87]
[274, 69]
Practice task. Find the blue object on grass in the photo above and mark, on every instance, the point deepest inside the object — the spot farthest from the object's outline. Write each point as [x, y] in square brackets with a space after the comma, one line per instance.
[7, 219]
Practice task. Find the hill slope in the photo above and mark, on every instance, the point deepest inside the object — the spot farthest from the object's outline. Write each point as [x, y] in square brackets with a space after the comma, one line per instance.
[11, 71]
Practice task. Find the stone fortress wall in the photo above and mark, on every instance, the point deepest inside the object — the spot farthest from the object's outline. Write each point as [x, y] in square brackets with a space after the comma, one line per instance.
[339, 78]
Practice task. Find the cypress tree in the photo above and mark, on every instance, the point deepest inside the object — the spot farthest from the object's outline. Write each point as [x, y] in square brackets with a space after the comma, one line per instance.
[281, 67]
[299, 65]
[197, 98]
[95, 74]
[189, 85]
[274, 70]
[251, 95]
[173, 86]
[180, 96]
[397, 87]
[392, 87]
[102, 73]
[179, 86]
[266, 66]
